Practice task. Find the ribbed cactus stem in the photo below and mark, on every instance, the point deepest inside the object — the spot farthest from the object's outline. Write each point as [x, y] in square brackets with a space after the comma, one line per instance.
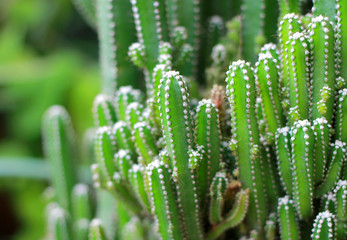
[103, 111]
[241, 91]
[177, 131]
[341, 37]
[341, 116]
[322, 44]
[288, 25]
[338, 159]
[287, 219]
[96, 231]
[59, 149]
[163, 200]
[134, 114]
[138, 183]
[147, 21]
[269, 87]
[299, 74]
[60, 224]
[82, 202]
[144, 142]
[302, 140]
[123, 138]
[322, 132]
[283, 154]
[325, 8]
[324, 226]
[208, 136]
[340, 194]
[125, 96]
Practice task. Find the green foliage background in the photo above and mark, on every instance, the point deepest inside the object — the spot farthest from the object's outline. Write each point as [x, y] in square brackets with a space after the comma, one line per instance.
[47, 56]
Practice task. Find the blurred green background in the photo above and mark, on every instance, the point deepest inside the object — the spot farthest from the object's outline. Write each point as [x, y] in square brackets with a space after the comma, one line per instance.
[48, 55]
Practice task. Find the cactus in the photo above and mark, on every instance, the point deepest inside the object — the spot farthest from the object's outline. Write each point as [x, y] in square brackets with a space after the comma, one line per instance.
[180, 163]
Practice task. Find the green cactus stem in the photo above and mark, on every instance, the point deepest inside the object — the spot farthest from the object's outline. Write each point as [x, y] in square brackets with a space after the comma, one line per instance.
[136, 179]
[134, 114]
[103, 109]
[60, 224]
[144, 142]
[252, 21]
[287, 219]
[322, 132]
[59, 149]
[123, 138]
[302, 140]
[326, 8]
[299, 74]
[322, 44]
[341, 37]
[96, 231]
[116, 32]
[125, 96]
[147, 21]
[340, 194]
[217, 190]
[324, 226]
[268, 83]
[241, 91]
[163, 200]
[284, 163]
[341, 117]
[234, 217]
[177, 131]
[208, 136]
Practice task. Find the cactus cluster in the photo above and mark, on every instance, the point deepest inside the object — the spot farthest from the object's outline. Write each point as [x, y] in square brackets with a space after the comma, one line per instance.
[262, 155]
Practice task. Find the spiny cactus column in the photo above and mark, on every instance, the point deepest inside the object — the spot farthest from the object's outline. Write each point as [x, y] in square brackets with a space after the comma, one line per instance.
[241, 92]
[177, 130]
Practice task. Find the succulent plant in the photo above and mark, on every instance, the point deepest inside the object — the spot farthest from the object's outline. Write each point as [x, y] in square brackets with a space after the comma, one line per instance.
[267, 162]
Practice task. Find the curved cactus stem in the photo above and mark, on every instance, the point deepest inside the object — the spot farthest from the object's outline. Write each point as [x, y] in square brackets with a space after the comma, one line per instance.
[322, 44]
[163, 200]
[326, 8]
[241, 92]
[283, 154]
[125, 96]
[341, 37]
[234, 217]
[145, 142]
[96, 231]
[302, 139]
[59, 148]
[252, 21]
[103, 111]
[207, 135]
[268, 83]
[324, 226]
[217, 190]
[147, 21]
[338, 158]
[137, 181]
[322, 132]
[177, 131]
[60, 224]
[287, 219]
[341, 116]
